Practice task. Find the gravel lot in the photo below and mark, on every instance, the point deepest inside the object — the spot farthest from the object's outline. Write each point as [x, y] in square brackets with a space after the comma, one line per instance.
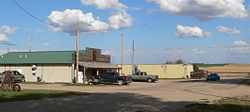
[165, 95]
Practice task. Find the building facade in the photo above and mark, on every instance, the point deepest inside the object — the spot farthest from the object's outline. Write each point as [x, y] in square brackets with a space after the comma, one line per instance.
[59, 66]
[55, 66]
[49, 66]
[164, 71]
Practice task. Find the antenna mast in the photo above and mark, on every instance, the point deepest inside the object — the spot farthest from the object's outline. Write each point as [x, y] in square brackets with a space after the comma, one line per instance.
[122, 51]
[30, 41]
[133, 57]
[77, 42]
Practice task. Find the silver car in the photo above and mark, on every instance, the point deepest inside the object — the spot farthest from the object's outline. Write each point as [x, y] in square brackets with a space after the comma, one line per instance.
[18, 77]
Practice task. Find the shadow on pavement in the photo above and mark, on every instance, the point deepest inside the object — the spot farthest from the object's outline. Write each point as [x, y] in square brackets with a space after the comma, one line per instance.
[95, 102]
[217, 108]
[113, 102]
[240, 81]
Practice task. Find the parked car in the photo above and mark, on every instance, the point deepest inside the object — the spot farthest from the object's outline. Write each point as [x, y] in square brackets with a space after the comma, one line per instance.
[111, 78]
[143, 76]
[18, 77]
[213, 77]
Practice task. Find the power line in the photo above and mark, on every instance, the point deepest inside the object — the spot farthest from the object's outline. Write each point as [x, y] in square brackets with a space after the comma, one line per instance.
[27, 12]
[7, 43]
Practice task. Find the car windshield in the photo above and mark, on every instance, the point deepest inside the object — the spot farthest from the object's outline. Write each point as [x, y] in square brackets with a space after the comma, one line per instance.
[214, 74]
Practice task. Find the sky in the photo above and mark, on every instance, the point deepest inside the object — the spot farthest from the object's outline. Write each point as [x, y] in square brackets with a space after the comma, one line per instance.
[197, 31]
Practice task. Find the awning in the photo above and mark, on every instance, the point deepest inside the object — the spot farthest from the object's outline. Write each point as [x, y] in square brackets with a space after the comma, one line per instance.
[98, 65]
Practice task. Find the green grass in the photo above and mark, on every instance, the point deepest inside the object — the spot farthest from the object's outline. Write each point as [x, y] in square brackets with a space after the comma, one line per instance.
[9, 96]
[237, 104]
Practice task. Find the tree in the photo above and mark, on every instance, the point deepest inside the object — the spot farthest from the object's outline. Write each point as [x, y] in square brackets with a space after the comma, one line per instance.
[169, 62]
[196, 67]
[179, 61]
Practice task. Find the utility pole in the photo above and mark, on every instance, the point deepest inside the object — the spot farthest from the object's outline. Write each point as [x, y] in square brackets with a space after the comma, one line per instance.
[8, 49]
[29, 42]
[77, 43]
[133, 57]
[122, 51]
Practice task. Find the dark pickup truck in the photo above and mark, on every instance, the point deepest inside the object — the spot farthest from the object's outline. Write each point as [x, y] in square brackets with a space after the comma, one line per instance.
[111, 78]
[143, 76]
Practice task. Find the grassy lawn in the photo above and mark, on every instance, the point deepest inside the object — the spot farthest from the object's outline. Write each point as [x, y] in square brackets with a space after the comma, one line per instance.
[33, 95]
[239, 104]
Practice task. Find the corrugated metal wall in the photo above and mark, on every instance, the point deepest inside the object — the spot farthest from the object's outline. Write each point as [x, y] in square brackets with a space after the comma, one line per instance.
[48, 73]
[164, 71]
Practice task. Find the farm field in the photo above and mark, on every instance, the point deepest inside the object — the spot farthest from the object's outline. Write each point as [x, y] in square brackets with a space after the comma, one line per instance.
[233, 69]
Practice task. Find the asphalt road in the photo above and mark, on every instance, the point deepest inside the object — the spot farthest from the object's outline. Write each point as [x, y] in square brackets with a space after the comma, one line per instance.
[163, 96]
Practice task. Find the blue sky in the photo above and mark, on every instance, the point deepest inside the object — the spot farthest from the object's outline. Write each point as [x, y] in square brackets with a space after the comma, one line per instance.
[154, 30]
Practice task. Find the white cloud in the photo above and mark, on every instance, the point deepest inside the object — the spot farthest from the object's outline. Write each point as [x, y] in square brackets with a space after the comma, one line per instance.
[204, 9]
[105, 4]
[67, 21]
[107, 52]
[241, 47]
[5, 31]
[120, 20]
[240, 43]
[190, 31]
[228, 30]
[3, 38]
[198, 51]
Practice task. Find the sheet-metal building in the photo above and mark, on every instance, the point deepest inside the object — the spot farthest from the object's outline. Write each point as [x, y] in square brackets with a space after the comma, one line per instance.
[164, 71]
[56, 66]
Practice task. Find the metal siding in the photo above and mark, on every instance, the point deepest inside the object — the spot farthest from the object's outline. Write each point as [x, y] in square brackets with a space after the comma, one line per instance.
[163, 70]
[49, 73]
[127, 69]
[57, 74]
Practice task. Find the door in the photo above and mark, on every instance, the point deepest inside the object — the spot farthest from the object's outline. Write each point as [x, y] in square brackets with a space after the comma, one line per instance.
[136, 76]
[107, 78]
[143, 76]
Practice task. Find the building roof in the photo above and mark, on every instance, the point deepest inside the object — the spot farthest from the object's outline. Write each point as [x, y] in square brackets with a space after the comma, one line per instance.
[38, 57]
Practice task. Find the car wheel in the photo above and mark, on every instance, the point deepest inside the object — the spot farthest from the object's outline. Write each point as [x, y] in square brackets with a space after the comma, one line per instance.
[86, 83]
[91, 83]
[120, 82]
[150, 80]
[16, 87]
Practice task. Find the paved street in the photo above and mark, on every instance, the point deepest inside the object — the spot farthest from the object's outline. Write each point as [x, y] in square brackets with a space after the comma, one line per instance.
[165, 95]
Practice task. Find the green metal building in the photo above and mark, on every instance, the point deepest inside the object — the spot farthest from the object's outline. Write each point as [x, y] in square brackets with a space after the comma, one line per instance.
[50, 66]
[55, 66]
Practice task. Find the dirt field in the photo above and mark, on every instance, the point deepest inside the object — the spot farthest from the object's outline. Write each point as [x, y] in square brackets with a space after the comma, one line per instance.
[163, 96]
[231, 69]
